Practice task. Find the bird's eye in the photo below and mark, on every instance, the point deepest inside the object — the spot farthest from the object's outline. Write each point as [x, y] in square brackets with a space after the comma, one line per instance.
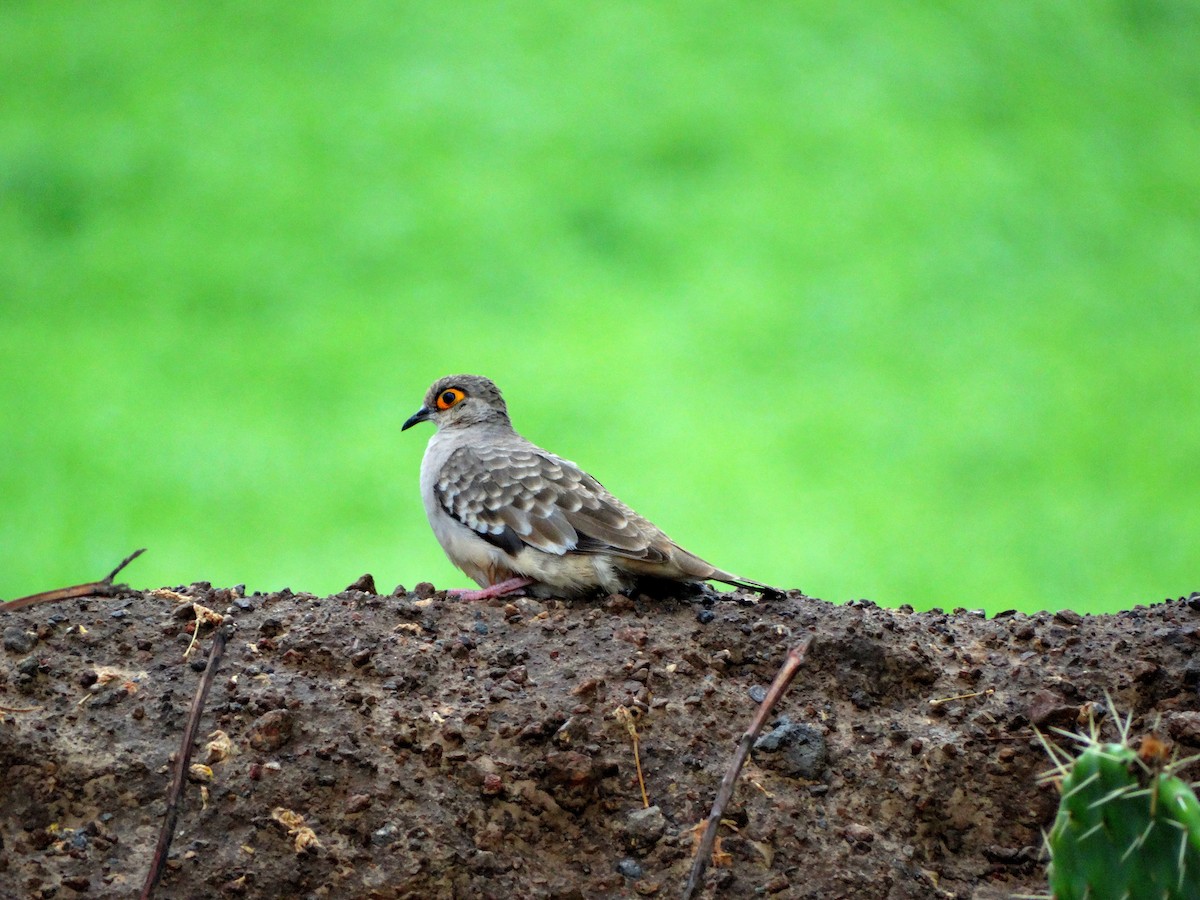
[448, 398]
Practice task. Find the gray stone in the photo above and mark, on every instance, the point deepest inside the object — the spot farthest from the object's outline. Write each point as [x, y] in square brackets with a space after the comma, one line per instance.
[793, 749]
[644, 827]
[18, 640]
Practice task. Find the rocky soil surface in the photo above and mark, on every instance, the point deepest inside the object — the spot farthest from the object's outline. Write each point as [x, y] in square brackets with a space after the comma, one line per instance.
[366, 746]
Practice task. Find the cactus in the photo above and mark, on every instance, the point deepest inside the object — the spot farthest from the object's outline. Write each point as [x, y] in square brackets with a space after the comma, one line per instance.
[1127, 827]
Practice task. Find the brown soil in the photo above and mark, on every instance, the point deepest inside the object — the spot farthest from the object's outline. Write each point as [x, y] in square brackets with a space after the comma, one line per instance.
[437, 748]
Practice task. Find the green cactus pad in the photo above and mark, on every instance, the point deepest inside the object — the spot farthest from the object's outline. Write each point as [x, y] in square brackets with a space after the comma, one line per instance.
[1122, 832]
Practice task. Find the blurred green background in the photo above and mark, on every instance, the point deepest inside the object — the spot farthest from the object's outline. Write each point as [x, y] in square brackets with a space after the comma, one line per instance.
[898, 301]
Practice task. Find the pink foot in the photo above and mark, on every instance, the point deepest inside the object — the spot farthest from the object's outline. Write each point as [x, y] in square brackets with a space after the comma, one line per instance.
[499, 589]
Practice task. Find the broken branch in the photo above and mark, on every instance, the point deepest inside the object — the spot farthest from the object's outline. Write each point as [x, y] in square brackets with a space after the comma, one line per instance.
[182, 759]
[782, 679]
[102, 588]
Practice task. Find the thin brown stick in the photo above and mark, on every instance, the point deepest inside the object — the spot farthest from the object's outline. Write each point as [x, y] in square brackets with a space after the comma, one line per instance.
[725, 792]
[626, 718]
[182, 759]
[637, 762]
[122, 564]
[19, 709]
[102, 588]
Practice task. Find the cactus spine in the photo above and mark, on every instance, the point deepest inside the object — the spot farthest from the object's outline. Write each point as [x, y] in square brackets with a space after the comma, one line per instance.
[1127, 827]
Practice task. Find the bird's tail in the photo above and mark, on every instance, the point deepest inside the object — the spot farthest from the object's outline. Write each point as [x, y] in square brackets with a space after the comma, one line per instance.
[690, 567]
[745, 583]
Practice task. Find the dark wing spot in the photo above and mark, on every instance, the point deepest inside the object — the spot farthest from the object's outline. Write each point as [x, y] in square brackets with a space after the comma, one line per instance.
[507, 540]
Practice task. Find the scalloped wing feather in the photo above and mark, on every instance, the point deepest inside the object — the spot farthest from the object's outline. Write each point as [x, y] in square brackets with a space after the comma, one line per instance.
[546, 502]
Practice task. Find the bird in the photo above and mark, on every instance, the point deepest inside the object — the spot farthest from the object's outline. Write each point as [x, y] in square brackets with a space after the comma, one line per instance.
[517, 518]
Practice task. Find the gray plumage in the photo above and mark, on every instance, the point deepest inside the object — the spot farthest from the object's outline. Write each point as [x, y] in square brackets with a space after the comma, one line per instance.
[510, 514]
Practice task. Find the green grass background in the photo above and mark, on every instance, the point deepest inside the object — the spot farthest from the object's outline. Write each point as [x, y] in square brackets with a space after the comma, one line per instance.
[898, 301]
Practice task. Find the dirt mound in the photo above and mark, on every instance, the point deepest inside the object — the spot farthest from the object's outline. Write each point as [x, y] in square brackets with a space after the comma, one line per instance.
[413, 746]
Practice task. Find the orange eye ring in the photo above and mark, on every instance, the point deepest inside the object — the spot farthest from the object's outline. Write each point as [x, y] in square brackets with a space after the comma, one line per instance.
[449, 397]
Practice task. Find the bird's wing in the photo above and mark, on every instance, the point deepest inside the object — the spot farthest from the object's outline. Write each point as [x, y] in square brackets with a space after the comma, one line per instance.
[513, 497]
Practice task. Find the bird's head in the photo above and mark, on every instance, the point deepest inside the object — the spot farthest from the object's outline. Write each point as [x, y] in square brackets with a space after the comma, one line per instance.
[459, 400]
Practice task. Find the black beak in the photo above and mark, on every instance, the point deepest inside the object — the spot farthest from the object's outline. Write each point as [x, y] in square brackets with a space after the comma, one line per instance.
[421, 415]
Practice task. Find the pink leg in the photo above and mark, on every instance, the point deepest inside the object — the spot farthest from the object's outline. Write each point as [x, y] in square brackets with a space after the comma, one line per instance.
[499, 589]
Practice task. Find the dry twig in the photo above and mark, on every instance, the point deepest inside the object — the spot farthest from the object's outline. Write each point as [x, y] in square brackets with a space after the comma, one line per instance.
[102, 588]
[984, 693]
[782, 679]
[182, 760]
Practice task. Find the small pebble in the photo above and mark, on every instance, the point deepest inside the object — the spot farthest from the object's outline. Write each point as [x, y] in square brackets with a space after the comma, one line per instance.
[794, 749]
[573, 733]
[859, 833]
[270, 731]
[630, 868]
[776, 884]
[705, 616]
[758, 693]
[385, 836]
[643, 827]
[18, 640]
[365, 584]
